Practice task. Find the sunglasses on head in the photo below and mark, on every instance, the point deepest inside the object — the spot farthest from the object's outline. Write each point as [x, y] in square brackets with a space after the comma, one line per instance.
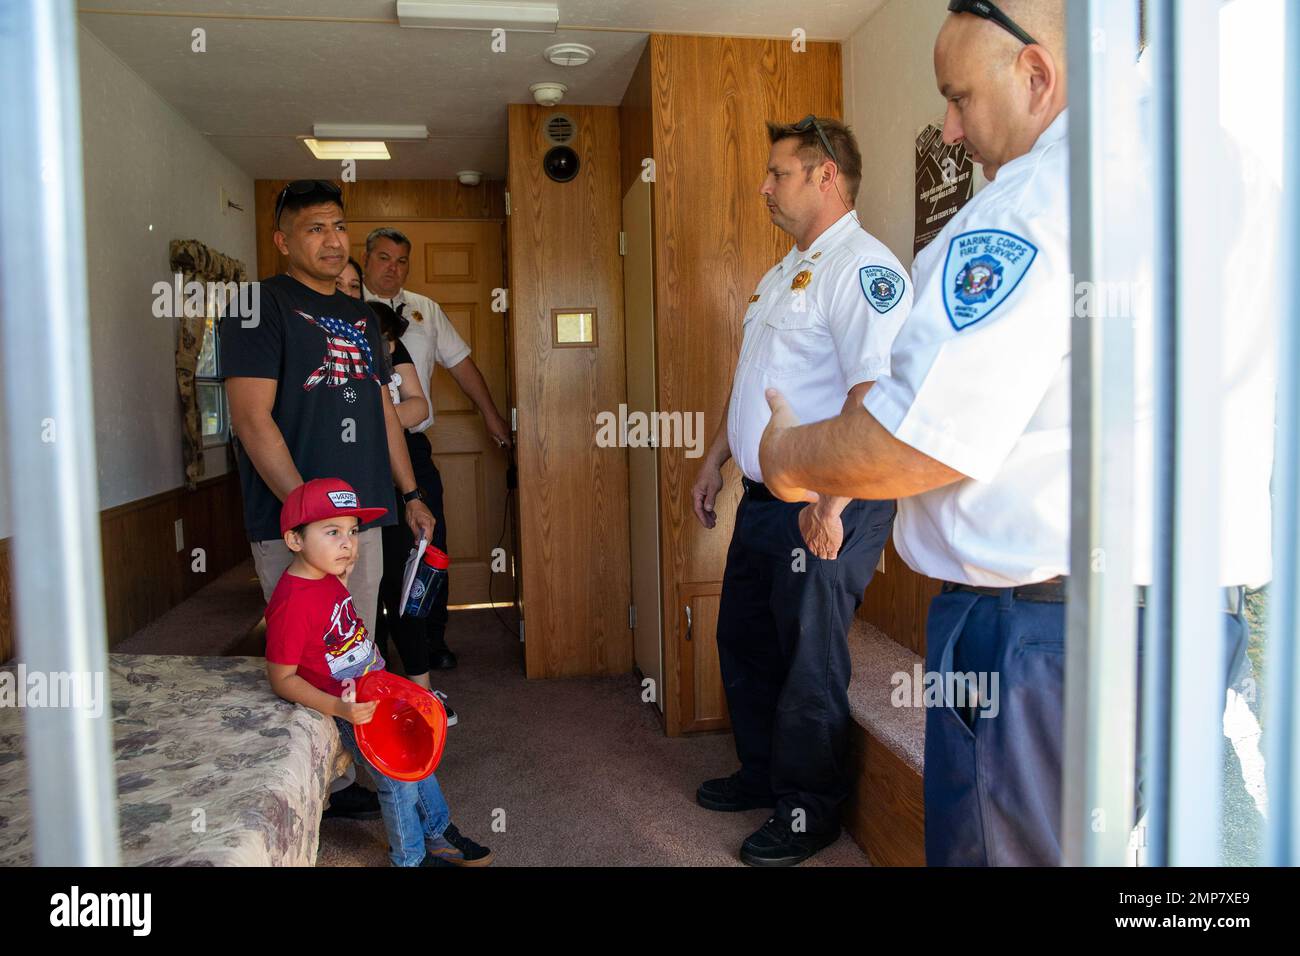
[302, 187]
[988, 11]
[810, 122]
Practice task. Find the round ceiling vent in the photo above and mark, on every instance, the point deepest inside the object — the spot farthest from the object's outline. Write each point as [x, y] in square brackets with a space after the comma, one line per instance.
[559, 129]
[569, 54]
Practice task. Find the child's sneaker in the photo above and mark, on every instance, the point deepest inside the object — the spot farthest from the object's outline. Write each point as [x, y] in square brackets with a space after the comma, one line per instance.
[452, 719]
[454, 849]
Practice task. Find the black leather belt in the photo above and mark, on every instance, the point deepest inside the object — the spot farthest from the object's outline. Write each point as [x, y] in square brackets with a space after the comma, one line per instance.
[1053, 592]
[757, 490]
[1046, 592]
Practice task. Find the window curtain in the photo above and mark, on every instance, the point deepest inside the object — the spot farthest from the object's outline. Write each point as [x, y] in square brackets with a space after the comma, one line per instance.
[195, 262]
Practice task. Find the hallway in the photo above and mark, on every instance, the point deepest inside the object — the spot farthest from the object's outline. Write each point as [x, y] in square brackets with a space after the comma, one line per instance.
[581, 769]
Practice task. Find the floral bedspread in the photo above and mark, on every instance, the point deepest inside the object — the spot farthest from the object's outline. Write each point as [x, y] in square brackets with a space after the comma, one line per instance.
[212, 768]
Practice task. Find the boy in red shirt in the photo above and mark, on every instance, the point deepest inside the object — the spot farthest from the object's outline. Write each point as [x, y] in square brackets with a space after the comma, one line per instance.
[317, 647]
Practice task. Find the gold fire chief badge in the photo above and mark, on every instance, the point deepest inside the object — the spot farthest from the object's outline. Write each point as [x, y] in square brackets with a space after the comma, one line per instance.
[801, 281]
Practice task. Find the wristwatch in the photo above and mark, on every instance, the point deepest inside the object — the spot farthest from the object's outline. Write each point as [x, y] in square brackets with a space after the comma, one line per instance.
[416, 495]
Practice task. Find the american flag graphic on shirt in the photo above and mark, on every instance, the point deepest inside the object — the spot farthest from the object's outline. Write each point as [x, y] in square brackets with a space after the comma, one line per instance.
[347, 352]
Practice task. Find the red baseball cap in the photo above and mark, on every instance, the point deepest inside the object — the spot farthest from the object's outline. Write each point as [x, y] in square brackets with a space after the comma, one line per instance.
[323, 498]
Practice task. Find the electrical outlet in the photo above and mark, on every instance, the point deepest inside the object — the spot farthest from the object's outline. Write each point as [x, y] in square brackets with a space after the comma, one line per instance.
[180, 534]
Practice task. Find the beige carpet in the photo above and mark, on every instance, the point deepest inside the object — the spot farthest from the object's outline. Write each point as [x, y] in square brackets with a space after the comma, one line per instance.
[578, 772]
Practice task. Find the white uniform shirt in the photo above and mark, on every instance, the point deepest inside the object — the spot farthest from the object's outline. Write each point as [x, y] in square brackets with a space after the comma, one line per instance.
[980, 381]
[429, 337]
[820, 322]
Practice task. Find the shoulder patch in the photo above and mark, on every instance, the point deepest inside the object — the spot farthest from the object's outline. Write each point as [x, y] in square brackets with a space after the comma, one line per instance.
[882, 287]
[982, 270]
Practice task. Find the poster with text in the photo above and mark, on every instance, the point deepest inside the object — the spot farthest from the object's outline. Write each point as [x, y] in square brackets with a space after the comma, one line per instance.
[944, 180]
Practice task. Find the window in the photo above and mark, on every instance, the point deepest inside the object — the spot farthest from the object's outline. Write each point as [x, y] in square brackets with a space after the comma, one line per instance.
[209, 392]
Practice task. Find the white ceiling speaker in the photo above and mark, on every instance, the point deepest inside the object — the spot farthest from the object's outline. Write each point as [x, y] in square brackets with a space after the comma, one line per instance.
[548, 93]
[446, 15]
[469, 177]
[569, 54]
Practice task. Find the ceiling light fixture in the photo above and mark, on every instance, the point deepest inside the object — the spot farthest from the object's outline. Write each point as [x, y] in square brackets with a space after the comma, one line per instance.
[356, 131]
[347, 149]
[447, 15]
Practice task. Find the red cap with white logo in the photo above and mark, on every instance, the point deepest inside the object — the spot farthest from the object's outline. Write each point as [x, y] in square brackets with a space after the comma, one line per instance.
[323, 498]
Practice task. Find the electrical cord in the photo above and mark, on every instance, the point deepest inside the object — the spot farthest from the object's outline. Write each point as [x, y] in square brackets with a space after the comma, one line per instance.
[505, 521]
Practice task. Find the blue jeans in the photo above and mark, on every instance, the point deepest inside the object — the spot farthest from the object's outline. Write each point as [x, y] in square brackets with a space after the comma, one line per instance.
[413, 812]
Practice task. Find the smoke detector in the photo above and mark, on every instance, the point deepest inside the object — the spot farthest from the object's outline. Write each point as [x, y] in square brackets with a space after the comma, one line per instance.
[569, 54]
[548, 93]
[469, 177]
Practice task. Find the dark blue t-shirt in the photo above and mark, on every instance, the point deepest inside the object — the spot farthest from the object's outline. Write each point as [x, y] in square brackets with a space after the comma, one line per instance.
[332, 368]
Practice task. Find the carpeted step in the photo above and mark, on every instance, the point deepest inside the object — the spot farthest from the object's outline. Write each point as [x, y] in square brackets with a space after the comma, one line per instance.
[876, 662]
[886, 811]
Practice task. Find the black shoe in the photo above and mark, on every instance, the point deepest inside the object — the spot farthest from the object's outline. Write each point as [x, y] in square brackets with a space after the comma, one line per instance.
[353, 802]
[775, 844]
[455, 849]
[443, 660]
[452, 719]
[727, 796]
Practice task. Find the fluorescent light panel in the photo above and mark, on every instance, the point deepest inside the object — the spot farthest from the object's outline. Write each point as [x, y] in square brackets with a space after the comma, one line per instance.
[347, 149]
[444, 15]
[356, 131]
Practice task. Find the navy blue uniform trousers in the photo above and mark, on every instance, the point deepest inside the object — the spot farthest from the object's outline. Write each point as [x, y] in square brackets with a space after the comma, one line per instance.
[782, 644]
[993, 783]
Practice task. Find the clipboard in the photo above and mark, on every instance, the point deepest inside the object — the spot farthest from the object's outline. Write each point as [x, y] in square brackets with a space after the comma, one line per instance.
[412, 565]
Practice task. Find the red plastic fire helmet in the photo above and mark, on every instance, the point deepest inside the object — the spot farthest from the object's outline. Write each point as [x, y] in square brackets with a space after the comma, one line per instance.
[404, 739]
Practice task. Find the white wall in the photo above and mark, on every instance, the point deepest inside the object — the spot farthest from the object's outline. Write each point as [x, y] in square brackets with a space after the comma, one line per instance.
[144, 165]
[889, 96]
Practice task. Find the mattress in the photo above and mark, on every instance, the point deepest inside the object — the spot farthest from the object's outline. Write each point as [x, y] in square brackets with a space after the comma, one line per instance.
[212, 768]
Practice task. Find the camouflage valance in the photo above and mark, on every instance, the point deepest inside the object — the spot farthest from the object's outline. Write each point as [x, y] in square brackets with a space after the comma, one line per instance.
[190, 257]
[196, 262]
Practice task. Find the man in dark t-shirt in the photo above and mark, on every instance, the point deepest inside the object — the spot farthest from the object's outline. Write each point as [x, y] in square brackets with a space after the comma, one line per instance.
[306, 381]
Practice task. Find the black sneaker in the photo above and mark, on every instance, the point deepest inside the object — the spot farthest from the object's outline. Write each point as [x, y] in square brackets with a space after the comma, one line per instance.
[726, 795]
[454, 849]
[775, 844]
[353, 802]
[452, 719]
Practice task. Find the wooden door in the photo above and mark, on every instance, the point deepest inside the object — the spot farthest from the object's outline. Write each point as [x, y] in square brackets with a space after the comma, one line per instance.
[701, 700]
[458, 265]
[568, 374]
[643, 463]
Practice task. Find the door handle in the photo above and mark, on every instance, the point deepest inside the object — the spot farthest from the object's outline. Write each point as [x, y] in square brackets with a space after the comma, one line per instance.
[688, 622]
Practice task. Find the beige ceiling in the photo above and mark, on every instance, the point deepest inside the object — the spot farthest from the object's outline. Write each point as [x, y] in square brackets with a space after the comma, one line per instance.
[274, 67]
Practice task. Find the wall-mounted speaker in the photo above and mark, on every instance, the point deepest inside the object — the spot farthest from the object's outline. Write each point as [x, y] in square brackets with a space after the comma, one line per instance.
[561, 164]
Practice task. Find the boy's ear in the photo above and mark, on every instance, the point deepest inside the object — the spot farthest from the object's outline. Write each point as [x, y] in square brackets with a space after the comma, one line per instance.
[292, 541]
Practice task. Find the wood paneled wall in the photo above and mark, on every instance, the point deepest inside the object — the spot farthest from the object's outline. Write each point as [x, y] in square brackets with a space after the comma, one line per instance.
[390, 199]
[898, 602]
[710, 99]
[573, 501]
[144, 575]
